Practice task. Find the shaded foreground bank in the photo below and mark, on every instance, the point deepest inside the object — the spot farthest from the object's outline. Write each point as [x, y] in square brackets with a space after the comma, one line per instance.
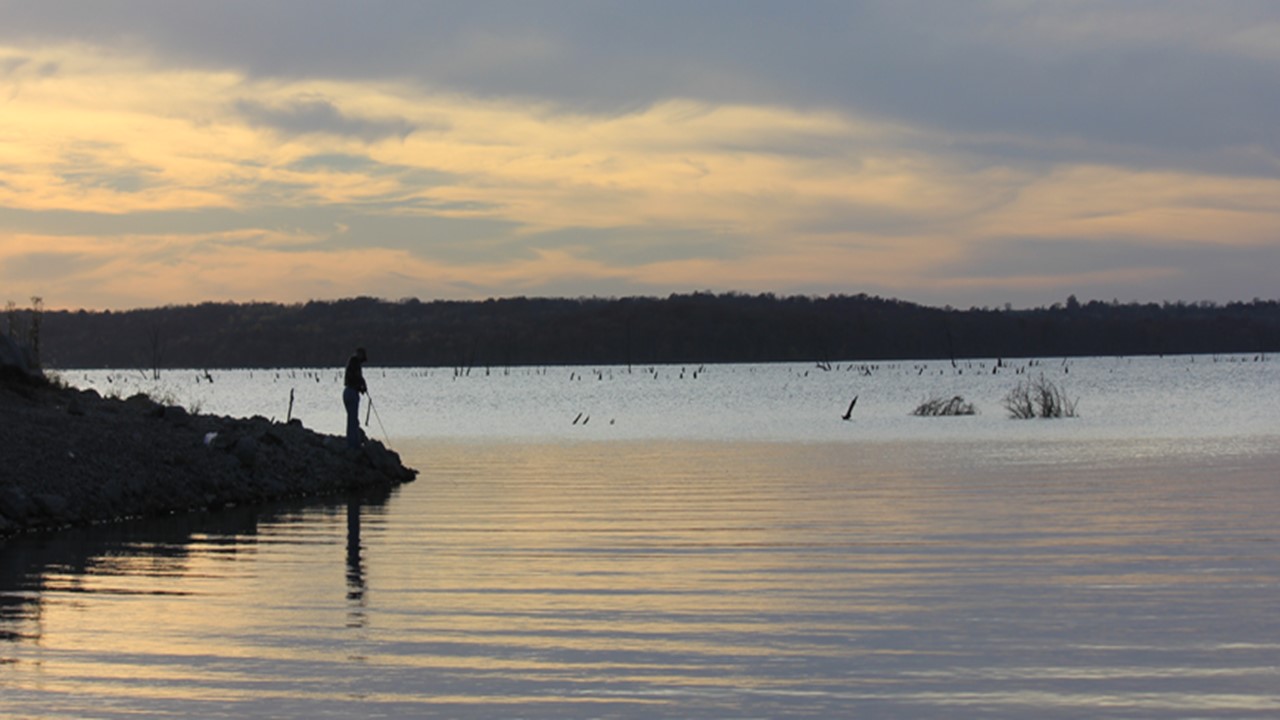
[73, 457]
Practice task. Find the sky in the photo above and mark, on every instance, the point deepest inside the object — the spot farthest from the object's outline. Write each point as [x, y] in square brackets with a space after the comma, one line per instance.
[971, 154]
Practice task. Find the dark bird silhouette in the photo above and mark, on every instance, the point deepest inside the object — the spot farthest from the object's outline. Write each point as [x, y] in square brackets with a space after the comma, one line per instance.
[849, 413]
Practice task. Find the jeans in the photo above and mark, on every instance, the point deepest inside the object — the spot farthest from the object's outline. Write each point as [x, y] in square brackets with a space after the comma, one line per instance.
[351, 399]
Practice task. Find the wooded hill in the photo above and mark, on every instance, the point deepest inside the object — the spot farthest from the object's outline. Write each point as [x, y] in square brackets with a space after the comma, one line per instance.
[689, 328]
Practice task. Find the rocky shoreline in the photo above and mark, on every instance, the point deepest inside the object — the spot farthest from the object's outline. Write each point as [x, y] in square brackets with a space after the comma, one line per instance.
[71, 457]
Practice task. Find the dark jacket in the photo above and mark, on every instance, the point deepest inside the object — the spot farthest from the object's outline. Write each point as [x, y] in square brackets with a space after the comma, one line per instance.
[355, 375]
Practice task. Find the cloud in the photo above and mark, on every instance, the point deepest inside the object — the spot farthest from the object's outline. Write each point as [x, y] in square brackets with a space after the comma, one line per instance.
[18, 67]
[43, 266]
[10, 65]
[922, 149]
[301, 116]
[89, 166]
[337, 162]
[1148, 74]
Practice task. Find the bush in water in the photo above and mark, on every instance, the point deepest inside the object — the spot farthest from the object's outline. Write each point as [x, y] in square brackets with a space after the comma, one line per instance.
[1039, 398]
[939, 407]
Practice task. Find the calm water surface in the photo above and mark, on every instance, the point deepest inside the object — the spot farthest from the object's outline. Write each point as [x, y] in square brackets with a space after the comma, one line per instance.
[885, 567]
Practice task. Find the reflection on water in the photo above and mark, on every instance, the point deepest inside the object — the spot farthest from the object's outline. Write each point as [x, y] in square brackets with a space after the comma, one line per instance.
[684, 580]
[137, 558]
[355, 565]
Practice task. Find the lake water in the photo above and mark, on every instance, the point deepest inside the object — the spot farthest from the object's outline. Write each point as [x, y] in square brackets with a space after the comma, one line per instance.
[696, 542]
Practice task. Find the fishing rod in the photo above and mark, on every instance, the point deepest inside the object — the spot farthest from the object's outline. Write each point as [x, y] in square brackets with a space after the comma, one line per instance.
[374, 410]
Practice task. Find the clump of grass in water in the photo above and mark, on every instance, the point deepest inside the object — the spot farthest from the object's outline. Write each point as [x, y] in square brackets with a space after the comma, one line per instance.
[940, 407]
[1039, 398]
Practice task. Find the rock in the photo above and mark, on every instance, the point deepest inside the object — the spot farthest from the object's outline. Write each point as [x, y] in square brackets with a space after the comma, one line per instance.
[385, 461]
[14, 504]
[73, 457]
[142, 404]
[221, 440]
[246, 451]
[177, 416]
[112, 493]
[53, 506]
[272, 487]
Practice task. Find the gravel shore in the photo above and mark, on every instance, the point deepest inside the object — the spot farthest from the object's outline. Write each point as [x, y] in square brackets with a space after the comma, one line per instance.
[72, 457]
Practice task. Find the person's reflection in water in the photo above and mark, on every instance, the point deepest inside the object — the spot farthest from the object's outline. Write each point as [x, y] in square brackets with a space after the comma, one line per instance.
[355, 567]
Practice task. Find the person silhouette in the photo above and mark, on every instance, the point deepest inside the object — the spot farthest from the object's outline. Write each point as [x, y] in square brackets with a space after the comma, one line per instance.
[353, 386]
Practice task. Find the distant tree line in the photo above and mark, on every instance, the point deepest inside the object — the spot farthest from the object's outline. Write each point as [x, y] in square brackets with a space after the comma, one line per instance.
[682, 328]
